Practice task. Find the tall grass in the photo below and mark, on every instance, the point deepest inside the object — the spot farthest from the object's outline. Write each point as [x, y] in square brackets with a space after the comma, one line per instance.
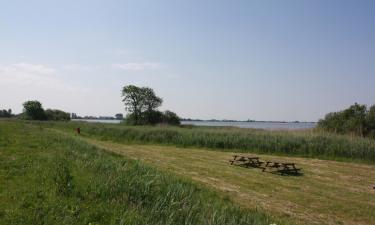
[294, 143]
[53, 179]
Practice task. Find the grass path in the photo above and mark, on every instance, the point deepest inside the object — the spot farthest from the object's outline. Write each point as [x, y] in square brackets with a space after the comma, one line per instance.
[328, 193]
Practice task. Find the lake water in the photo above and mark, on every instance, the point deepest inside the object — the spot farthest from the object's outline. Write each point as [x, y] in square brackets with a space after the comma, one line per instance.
[256, 125]
[97, 121]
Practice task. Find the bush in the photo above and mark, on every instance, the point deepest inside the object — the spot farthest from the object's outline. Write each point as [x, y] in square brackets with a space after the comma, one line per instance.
[33, 110]
[170, 118]
[55, 114]
[153, 117]
[353, 120]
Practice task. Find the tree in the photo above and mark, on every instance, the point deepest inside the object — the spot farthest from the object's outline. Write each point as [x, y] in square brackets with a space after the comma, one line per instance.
[351, 120]
[142, 102]
[119, 116]
[370, 121]
[355, 119]
[134, 101]
[33, 110]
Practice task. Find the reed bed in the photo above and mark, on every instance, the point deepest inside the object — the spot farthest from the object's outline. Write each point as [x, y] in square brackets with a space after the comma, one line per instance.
[306, 143]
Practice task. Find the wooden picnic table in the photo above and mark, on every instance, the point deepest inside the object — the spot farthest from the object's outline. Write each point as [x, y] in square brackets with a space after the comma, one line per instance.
[284, 168]
[251, 161]
[246, 161]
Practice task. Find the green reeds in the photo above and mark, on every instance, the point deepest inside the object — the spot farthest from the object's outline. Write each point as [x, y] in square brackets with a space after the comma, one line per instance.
[312, 144]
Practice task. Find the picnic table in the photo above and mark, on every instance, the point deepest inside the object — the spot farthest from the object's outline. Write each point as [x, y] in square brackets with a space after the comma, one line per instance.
[283, 168]
[246, 161]
[278, 167]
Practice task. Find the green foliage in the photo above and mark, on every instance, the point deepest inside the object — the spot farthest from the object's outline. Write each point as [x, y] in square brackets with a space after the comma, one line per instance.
[119, 116]
[370, 121]
[153, 117]
[353, 120]
[55, 114]
[33, 110]
[315, 144]
[169, 117]
[54, 179]
[134, 100]
[6, 113]
[142, 103]
[151, 101]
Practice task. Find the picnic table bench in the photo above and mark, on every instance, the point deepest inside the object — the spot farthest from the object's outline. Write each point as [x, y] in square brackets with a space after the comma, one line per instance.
[283, 168]
[246, 161]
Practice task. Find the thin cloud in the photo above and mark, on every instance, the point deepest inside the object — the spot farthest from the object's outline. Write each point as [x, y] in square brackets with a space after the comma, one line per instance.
[28, 75]
[81, 67]
[138, 66]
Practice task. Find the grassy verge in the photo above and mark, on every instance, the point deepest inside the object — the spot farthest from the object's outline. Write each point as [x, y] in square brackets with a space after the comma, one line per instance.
[48, 178]
[291, 143]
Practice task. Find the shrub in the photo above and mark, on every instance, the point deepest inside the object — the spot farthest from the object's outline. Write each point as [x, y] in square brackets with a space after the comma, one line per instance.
[55, 114]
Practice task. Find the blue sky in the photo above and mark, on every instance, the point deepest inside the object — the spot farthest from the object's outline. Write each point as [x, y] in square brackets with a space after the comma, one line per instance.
[262, 60]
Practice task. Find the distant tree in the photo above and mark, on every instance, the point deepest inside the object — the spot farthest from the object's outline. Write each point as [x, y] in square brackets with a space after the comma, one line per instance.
[133, 99]
[142, 103]
[119, 116]
[355, 119]
[370, 121]
[57, 115]
[351, 120]
[6, 113]
[33, 110]
[74, 116]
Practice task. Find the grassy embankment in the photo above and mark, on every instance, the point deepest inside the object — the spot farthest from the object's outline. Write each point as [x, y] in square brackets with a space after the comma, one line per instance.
[310, 144]
[51, 178]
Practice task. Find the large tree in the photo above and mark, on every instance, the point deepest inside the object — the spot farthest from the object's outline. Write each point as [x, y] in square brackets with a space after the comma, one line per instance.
[140, 101]
[33, 110]
[142, 104]
[133, 100]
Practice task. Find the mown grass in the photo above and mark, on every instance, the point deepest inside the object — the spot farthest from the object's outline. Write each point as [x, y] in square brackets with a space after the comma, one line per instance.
[48, 178]
[309, 143]
[328, 192]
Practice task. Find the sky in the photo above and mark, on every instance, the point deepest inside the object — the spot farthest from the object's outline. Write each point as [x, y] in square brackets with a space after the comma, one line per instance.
[224, 59]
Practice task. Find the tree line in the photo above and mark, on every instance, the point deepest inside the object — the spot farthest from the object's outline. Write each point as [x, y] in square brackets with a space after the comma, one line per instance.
[141, 102]
[357, 120]
[33, 110]
[6, 113]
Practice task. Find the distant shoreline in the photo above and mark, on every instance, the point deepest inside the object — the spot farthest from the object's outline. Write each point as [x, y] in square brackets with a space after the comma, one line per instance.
[244, 121]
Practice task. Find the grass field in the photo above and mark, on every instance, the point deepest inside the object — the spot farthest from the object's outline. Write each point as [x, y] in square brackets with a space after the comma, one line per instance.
[312, 144]
[329, 192]
[49, 175]
[51, 178]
